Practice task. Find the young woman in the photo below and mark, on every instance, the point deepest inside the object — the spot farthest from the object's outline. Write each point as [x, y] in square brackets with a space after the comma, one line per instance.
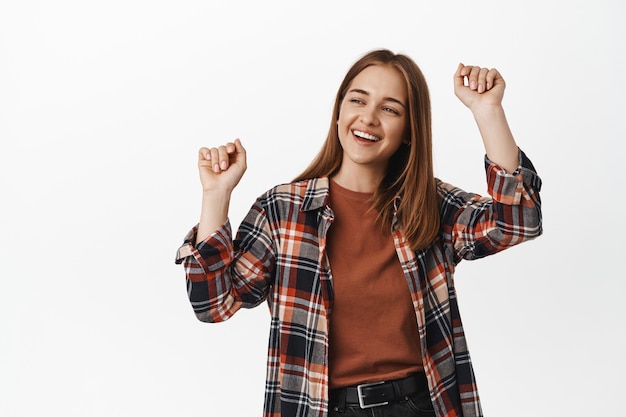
[356, 256]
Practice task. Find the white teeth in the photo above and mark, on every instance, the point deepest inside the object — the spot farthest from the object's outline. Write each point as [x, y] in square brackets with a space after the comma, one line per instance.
[364, 135]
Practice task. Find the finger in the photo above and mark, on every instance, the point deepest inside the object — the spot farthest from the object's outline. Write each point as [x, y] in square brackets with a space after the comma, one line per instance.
[215, 159]
[223, 157]
[204, 158]
[230, 148]
[492, 77]
[228, 154]
[204, 154]
[466, 72]
[466, 69]
[482, 80]
[472, 78]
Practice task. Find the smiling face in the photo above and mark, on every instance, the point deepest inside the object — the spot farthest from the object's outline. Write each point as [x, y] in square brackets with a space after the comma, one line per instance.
[372, 121]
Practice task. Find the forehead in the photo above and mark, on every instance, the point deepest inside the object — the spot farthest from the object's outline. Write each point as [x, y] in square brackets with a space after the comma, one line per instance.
[383, 80]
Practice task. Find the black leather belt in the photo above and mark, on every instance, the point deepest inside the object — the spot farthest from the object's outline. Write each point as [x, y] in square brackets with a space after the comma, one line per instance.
[377, 394]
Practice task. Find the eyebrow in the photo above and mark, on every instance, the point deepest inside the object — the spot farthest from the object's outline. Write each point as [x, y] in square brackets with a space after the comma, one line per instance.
[365, 93]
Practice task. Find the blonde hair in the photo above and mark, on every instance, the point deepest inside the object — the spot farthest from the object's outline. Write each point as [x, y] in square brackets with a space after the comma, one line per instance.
[410, 170]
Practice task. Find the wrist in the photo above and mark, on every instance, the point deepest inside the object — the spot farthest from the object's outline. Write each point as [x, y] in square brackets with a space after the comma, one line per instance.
[215, 202]
[217, 193]
[487, 111]
[214, 212]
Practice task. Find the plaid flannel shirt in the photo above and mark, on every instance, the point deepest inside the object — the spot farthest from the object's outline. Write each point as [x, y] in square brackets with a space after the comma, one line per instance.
[279, 255]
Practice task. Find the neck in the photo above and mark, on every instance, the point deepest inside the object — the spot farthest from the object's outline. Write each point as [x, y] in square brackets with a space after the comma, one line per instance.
[363, 181]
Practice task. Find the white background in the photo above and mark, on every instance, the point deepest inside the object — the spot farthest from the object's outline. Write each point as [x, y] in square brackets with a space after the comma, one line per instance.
[103, 106]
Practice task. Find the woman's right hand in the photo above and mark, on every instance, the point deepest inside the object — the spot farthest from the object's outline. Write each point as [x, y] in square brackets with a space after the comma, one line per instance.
[221, 168]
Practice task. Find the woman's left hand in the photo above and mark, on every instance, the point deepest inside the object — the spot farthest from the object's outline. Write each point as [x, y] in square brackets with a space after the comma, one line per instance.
[476, 86]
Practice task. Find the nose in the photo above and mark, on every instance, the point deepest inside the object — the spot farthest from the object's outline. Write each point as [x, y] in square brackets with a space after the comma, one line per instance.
[369, 116]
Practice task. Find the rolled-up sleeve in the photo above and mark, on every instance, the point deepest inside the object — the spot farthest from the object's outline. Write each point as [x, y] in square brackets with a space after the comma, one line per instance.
[519, 188]
[224, 275]
[478, 226]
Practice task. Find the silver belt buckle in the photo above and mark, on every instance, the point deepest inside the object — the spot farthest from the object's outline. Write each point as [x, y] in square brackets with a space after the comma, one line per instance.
[359, 390]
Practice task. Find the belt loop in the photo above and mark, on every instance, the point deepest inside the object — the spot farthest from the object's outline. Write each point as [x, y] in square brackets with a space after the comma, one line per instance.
[397, 390]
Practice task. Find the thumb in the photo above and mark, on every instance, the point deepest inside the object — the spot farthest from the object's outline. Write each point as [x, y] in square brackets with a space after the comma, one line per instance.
[240, 152]
[459, 77]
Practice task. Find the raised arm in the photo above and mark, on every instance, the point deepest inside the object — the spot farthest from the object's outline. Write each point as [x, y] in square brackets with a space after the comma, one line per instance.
[481, 90]
[220, 170]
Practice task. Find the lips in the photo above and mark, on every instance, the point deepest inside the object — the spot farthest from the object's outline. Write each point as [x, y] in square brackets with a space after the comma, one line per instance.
[365, 136]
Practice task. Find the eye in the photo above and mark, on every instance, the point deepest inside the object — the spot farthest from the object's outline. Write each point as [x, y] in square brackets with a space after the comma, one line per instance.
[356, 101]
[391, 110]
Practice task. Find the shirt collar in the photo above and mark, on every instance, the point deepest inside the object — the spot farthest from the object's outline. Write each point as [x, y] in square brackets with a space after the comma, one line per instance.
[316, 194]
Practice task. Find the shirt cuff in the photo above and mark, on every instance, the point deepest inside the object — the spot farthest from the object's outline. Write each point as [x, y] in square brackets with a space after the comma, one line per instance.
[513, 188]
[212, 253]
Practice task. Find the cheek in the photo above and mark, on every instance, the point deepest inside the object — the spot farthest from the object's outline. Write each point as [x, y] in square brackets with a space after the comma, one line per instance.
[399, 130]
[342, 122]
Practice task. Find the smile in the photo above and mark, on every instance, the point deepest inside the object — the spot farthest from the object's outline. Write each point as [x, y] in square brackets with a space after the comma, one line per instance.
[366, 136]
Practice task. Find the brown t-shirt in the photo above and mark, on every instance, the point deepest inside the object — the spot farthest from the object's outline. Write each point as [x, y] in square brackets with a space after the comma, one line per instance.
[373, 329]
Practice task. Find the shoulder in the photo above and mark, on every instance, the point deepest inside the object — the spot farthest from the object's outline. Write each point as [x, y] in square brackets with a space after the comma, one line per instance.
[308, 194]
[452, 195]
[445, 190]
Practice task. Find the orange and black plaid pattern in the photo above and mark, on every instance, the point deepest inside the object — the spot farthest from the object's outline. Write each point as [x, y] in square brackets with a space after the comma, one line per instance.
[279, 256]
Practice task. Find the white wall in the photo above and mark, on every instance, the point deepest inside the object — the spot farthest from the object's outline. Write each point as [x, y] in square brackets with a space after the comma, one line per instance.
[104, 104]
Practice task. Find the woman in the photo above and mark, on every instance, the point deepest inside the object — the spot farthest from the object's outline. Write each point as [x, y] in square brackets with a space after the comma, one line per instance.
[356, 256]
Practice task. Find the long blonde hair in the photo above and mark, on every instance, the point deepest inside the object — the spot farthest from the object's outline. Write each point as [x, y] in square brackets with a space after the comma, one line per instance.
[410, 170]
